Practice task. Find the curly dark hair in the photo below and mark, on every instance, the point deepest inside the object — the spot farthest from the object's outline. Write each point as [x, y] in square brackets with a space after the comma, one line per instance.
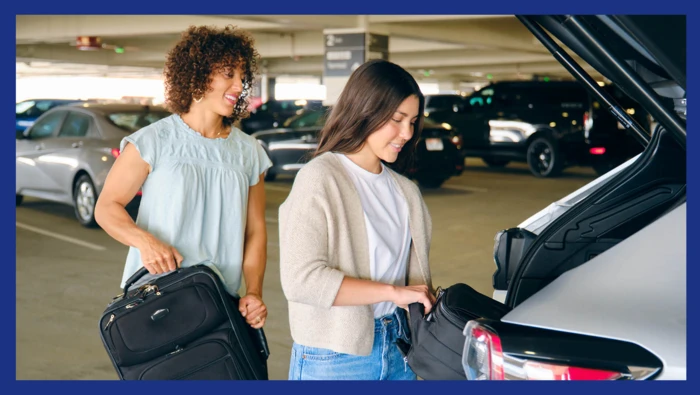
[201, 51]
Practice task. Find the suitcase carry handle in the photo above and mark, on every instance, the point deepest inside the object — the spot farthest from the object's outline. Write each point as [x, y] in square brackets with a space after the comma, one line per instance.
[137, 276]
[134, 278]
[143, 271]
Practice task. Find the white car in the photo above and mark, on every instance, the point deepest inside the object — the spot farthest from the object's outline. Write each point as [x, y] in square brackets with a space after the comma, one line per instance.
[596, 282]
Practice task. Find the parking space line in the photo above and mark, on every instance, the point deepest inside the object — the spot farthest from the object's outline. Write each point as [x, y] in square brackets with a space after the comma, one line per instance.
[465, 188]
[277, 188]
[60, 237]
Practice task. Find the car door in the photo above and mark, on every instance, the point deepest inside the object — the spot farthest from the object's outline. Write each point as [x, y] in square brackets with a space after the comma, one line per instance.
[66, 152]
[31, 150]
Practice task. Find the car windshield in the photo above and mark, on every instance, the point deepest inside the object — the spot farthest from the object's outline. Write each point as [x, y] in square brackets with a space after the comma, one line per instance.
[34, 108]
[283, 105]
[21, 107]
[548, 96]
[445, 101]
[131, 121]
[306, 119]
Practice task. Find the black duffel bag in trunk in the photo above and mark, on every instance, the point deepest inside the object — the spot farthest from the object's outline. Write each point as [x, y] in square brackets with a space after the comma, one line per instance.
[437, 341]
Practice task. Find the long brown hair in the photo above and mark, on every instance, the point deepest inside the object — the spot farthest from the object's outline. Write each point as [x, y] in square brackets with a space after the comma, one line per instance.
[371, 96]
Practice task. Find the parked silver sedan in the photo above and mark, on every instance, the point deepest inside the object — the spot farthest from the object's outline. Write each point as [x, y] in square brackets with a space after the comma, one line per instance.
[66, 154]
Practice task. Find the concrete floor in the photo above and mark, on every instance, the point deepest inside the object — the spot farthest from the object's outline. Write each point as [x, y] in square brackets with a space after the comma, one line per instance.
[66, 274]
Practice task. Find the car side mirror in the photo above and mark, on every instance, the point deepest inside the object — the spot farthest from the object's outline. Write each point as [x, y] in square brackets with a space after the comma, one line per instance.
[21, 135]
[510, 246]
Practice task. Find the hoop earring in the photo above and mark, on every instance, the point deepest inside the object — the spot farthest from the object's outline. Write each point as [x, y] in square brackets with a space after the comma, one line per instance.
[197, 100]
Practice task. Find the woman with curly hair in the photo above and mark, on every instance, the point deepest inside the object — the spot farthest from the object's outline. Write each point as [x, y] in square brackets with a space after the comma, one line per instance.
[202, 179]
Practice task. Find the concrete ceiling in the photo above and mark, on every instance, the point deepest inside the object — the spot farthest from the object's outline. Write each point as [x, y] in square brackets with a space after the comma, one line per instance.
[455, 48]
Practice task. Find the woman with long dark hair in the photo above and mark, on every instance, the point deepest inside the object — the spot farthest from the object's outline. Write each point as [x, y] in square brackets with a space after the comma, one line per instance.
[355, 235]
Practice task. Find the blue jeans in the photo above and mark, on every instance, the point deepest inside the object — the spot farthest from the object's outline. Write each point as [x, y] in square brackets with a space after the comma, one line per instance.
[385, 362]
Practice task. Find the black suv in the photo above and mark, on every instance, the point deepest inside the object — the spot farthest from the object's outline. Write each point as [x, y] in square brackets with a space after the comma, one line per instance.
[550, 125]
[273, 113]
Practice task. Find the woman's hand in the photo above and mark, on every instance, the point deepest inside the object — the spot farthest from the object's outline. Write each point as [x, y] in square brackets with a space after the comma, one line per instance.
[403, 296]
[158, 257]
[253, 309]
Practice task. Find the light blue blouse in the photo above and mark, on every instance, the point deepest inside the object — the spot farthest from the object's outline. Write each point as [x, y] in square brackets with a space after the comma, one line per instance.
[196, 196]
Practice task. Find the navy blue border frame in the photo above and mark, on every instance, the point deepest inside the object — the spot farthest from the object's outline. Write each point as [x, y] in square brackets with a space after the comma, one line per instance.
[8, 234]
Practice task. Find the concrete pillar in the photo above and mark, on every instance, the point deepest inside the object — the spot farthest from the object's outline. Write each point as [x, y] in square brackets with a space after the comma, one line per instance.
[270, 88]
[264, 82]
[345, 51]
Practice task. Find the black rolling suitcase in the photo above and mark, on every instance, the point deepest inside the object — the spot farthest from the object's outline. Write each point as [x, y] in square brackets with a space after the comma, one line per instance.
[437, 339]
[181, 326]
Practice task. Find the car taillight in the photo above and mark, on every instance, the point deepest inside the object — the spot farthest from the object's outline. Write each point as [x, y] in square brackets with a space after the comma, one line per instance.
[545, 371]
[597, 150]
[483, 354]
[483, 359]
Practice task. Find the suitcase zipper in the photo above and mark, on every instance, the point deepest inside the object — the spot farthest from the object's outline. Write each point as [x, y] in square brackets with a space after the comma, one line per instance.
[452, 318]
[228, 349]
[111, 319]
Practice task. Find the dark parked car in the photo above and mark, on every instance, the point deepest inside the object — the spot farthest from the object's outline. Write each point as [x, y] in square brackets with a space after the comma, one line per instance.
[444, 102]
[273, 113]
[549, 125]
[438, 154]
[27, 111]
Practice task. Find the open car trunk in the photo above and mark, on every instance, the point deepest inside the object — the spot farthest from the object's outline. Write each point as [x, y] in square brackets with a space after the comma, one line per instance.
[645, 57]
[596, 282]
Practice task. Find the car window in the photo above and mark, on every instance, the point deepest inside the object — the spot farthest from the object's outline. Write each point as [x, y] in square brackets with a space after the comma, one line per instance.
[558, 97]
[22, 107]
[75, 125]
[445, 102]
[44, 106]
[135, 120]
[520, 97]
[312, 118]
[31, 111]
[47, 126]
[283, 105]
[481, 98]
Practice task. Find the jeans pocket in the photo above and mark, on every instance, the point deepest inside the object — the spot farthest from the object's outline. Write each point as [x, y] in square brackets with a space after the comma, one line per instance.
[404, 331]
[318, 354]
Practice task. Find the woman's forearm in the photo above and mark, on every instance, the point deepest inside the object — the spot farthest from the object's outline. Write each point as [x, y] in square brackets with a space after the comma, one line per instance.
[254, 261]
[357, 292]
[116, 221]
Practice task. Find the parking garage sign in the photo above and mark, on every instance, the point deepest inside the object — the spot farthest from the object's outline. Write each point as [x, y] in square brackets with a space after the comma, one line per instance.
[344, 53]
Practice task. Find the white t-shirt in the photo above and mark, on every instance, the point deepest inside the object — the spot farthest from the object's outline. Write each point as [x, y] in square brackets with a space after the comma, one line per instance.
[386, 220]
